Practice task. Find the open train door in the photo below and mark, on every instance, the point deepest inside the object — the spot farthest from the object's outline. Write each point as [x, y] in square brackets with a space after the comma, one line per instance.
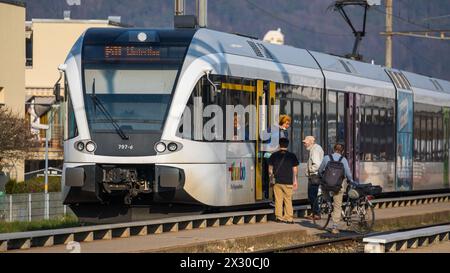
[266, 92]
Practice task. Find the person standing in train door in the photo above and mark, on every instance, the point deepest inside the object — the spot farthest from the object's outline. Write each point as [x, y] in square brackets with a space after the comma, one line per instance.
[283, 168]
[316, 154]
[281, 132]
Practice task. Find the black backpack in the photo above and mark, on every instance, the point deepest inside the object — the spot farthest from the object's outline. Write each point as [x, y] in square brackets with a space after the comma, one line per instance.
[333, 176]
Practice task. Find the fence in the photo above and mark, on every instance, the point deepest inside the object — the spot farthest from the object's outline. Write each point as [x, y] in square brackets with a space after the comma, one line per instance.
[32, 207]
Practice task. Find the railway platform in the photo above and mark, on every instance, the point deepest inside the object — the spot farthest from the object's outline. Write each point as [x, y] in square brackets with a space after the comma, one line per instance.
[247, 238]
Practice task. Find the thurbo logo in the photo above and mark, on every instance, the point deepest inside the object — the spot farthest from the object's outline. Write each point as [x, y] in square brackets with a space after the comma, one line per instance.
[237, 173]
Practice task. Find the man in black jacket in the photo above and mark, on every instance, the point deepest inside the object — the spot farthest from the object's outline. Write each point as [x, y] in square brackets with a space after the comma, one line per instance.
[283, 166]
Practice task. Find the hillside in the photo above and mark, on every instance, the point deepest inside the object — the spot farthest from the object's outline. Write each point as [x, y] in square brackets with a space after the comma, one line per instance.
[308, 24]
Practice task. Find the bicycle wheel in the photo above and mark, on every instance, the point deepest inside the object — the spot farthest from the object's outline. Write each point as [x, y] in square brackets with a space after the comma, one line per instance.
[363, 218]
[326, 209]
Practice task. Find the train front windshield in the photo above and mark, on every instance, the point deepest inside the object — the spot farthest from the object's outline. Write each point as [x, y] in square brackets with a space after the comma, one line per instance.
[129, 87]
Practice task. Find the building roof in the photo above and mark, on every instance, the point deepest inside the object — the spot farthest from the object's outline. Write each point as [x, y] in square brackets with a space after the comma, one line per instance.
[14, 3]
[76, 21]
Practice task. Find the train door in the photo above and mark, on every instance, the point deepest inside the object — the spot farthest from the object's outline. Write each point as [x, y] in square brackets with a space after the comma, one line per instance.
[343, 126]
[405, 141]
[352, 141]
[266, 92]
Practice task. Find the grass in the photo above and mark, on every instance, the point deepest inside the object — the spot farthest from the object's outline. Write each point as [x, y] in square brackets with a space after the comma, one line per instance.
[59, 223]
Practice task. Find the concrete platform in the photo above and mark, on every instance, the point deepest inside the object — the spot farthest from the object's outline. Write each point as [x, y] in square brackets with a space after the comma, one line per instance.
[249, 238]
[437, 248]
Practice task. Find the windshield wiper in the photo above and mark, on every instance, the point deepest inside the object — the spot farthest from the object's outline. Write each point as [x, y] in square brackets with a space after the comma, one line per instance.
[105, 112]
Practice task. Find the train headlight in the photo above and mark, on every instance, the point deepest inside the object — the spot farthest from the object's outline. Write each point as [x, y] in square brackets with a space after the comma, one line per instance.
[172, 147]
[160, 147]
[91, 147]
[80, 146]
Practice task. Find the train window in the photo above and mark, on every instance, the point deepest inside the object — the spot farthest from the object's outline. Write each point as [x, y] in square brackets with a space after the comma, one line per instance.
[71, 128]
[341, 118]
[206, 117]
[376, 149]
[317, 122]
[429, 138]
[423, 138]
[390, 121]
[435, 139]
[440, 139]
[297, 128]
[417, 138]
[383, 135]
[307, 126]
[332, 120]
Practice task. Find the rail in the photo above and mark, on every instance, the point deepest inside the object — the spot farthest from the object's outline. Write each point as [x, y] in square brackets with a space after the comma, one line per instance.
[26, 240]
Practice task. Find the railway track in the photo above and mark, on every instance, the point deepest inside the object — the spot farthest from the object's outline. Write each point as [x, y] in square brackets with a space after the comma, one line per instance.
[26, 240]
[351, 243]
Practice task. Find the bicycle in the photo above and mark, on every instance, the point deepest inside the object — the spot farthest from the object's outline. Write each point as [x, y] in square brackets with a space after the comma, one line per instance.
[357, 209]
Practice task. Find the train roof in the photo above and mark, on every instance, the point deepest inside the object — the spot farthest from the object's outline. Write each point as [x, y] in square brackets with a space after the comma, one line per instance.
[371, 79]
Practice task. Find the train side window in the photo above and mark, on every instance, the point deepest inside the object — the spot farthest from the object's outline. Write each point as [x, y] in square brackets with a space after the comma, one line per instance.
[317, 122]
[341, 118]
[297, 129]
[440, 138]
[417, 138]
[382, 135]
[369, 136]
[376, 133]
[435, 139]
[429, 139]
[332, 120]
[390, 134]
[423, 138]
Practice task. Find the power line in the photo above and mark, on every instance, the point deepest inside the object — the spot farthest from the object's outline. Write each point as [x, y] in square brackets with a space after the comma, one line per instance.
[402, 19]
[415, 54]
[278, 17]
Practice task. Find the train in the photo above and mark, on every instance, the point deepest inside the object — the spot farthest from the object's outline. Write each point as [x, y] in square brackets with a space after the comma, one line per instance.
[186, 116]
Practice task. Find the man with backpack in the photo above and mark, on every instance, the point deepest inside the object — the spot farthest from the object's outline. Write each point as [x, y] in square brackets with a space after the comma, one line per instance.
[283, 169]
[335, 173]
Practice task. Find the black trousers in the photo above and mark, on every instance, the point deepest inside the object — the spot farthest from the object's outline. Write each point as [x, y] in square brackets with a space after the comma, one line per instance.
[313, 191]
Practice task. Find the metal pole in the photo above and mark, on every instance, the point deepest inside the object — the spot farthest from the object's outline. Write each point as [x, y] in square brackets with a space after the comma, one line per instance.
[202, 13]
[10, 209]
[46, 175]
[389, 29]
[180, 7]
[29, 207]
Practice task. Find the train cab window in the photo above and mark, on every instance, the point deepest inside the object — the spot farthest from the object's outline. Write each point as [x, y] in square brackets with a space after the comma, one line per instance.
[71, 130]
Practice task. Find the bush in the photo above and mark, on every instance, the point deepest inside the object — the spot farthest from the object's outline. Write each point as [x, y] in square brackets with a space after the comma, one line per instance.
[63, 222]
[35, 185]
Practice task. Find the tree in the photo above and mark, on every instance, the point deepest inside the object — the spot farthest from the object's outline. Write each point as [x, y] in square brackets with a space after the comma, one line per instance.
[16, 138]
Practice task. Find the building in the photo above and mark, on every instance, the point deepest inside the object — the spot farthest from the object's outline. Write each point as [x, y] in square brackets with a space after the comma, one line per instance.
[12, 67]
[48, 41]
